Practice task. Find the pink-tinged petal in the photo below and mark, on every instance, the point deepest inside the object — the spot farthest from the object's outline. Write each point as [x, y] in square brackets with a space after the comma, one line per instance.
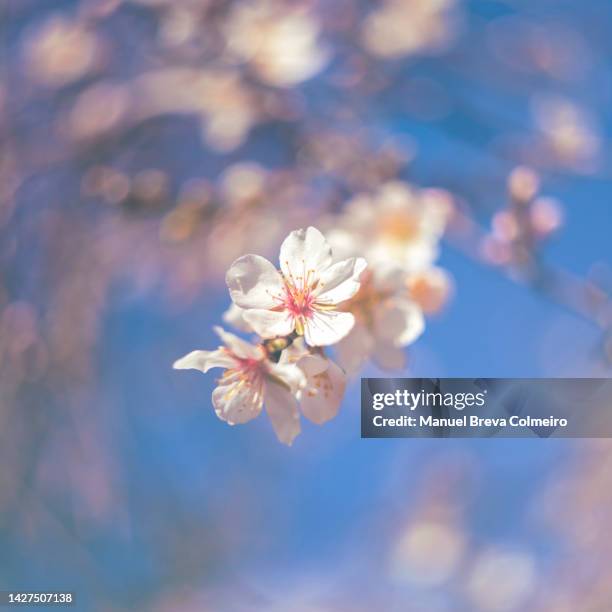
[288, 374]
[253, 282]
[304, 252]
[399, 324]
[269, 323]
[205, 360]
[355, 349]
[282, 409]
[322, 397]
[239, 347]
[340, 282]
[239, 401]
[431, 289]
[323, 327]
[389, 357]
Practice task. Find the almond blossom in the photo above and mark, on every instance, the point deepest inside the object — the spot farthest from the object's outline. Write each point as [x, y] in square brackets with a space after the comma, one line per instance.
[387, 320]
[323, 384]
[430, 289]
[250, 382]
[304, 296]
[397, 224]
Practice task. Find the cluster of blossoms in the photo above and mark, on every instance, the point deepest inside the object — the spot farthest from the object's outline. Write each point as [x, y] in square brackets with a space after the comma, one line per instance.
[519, 228]
[323, 297]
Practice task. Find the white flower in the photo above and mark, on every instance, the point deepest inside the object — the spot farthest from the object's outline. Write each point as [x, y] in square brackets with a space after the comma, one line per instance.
[304, 296]
[396, 224]
[323, 385]
[386, 321]
[249, 382]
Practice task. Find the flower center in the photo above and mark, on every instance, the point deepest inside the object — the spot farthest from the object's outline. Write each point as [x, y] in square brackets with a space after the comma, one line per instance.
[299, 300]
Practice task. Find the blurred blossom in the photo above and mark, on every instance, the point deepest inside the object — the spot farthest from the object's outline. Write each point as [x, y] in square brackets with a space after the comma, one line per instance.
[546, 215]
[523, 184]
[99, 109]
[431, 289]
[518, 230]
[397, 223]
[243, 183]
[427, 554]
[61, 51]
[571, 134]
[279, 41]
[228, 109]
[405, 27]
[501, 580]
[386, 321]
[107, 183]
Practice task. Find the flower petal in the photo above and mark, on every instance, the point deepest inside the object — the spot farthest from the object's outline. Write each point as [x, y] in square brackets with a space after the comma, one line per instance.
[431, 289]
[313, 364]
[205, 360]
[282, 409]
[355, 349]
[304, 251]
[239, 347]
[327, 327]
[238, 402]
[288, 374]
[322, 397]
[340, 282]
[269, 323]
[399, 324]
[233, 316]
[253, 282]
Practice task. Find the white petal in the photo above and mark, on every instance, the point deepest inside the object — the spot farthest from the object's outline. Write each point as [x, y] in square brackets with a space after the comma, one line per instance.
[304, 251]
[312, 364]
[321, 399]
[327, 327]
[355, 349]
[389, 357]
[239, 347]
[414, 324]
[281, 407]
[269, 323]
[233, 316]
[289, 374]
[238, 402]
[389, 277]
[253, 282]
[205, 360]
[340, 282]
[400, 324]
[294, 352]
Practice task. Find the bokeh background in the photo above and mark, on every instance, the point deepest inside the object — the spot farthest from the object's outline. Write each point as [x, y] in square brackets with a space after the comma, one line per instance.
[147, 143]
